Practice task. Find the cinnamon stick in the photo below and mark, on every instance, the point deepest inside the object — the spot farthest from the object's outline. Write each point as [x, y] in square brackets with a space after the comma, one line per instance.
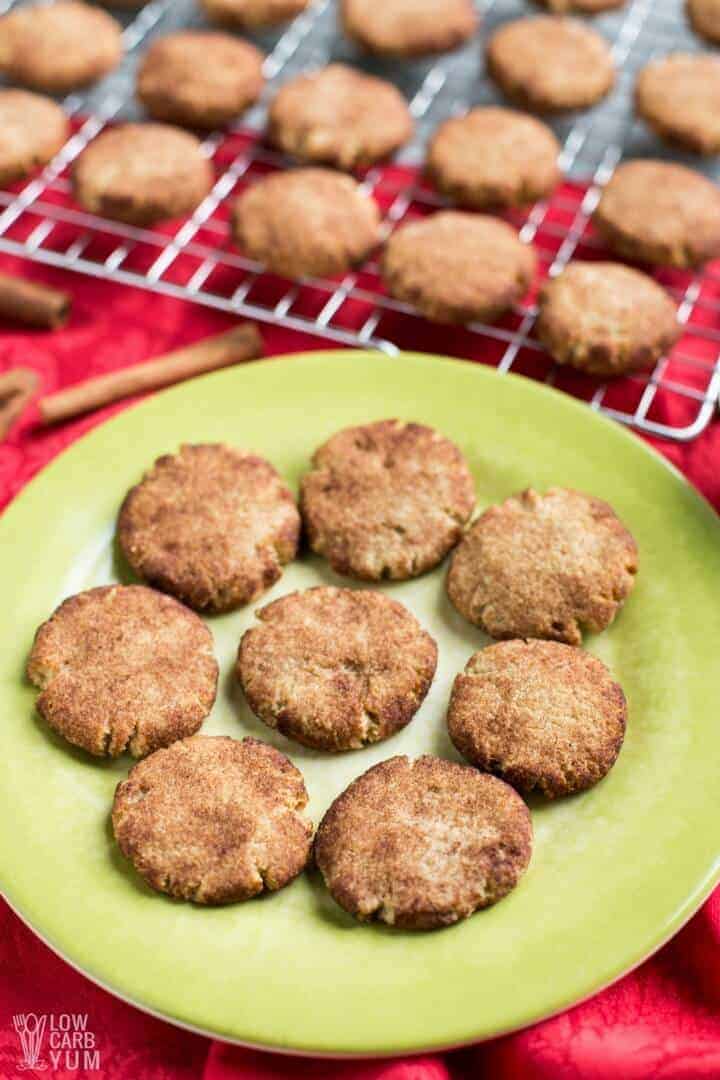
[17, 386]
[36, 305]
[241, 343]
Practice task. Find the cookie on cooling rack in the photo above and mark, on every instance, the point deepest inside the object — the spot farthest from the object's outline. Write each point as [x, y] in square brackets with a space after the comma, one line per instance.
[679, 96]
[660, 213]
[58, 47]
[214, 820]
[123, 668]
[455, 267]
[203, 79]
[549, 63]
[408, 28]
[580, 7]
[606, 318]
[544, 566]
[423, 844]
[704, 17]
[387, 500]
[32, 130]
[250, 14]
[339, 116]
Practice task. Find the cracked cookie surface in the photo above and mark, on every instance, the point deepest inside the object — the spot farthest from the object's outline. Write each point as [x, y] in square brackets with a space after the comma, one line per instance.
[407, 28]
[32, 130]
[679, 98]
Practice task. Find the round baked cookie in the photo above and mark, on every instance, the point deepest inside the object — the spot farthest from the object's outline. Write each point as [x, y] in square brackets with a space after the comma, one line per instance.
[59, 46]
[247, 14]
[200, 78]
[679, 98]
[704, 16]
[386, 500]
[211, 524]
[422, 844]
[458, 268]
[340, 117]
[307, 223]
[544, 566]
[122, 667]
[214, 820]
[542, 716]
[409, 27]
[142, 173]
[336, 669]
[580, 7]
[32, 130]
[549, 63]
[606, 318]
[660, 213]
[494, 157]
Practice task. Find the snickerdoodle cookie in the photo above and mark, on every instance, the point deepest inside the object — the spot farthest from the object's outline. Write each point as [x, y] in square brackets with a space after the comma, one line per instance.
[339, 116]
[544, 566]
[409, 27]
[541, 715]
[32, 130]
[386, 500]
[661, 213]
[704, 16]
[214, 820]
[581, 7]
[123, 668]
[59, 46]
[606, 318]
[307, 223]
[456, 267]
[336, 669]
[246, 14]
[142, 173]
[494, 157]
[422, 844]
[679, 98]
[549, 63]
[211, 524]
[202, 79]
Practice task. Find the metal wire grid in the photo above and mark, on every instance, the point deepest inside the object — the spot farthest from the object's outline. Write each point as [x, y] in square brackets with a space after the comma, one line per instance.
[196, 260]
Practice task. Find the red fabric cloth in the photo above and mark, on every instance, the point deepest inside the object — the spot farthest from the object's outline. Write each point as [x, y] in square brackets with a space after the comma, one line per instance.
[662, 1021]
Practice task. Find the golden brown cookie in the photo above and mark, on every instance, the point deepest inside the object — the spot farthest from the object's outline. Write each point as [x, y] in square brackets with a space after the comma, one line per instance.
[422, 844]
[550, 64]
[679, 98]
[339, 116]
[660, 213]
[580, 7]
[307, 223]
[32, 130]
[200, 78]
[214, 820]
[494, 157]
[386, 500]
[336, 669]
[211, 524]
[123, 668]
[704, 16]
[544, 566]
[407, 28]
[458, 268]
[606, 318]
[59, 46]
[246, 14]
[540, 715]
[142, 173]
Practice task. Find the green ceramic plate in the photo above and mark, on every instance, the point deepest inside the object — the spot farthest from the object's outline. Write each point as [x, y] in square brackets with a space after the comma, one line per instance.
[614, 872]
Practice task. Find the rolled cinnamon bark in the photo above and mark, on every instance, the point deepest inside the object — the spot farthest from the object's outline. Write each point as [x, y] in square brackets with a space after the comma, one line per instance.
[17, 386]
[36, 305]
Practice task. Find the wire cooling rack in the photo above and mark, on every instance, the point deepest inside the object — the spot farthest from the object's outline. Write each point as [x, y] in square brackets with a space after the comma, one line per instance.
[195, 259]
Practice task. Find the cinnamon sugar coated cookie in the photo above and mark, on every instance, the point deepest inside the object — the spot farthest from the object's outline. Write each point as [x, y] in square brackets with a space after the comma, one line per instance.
[142, 173]
[339, 116]
[458, 268]
[704, 16]
[58, 47]
[211, 524]
[494, 157]
[123, 668]
[679, 98]
[606, 318]
[32, 130]
[580, 7]
[214, 820]
[386, 501]
[542, 716]
[336, 669]
[660, 213]
[409, 27]
[549, 63]
[202, 79]
[246, 14]
[306, 223]
[423, 844]
[544, 566]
